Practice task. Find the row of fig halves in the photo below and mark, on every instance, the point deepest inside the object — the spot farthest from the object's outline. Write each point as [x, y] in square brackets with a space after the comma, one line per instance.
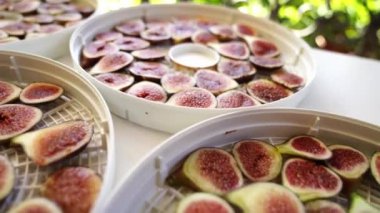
[70, 189]
[24, 19]
[134, 55]
[311, 172]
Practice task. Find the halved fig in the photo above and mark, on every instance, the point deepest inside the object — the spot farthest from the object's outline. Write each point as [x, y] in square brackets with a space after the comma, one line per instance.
[131, 43]
[116, 81]
[52, 9]
[36, 93]
[203, 203]
[347, 162]
[97, 49]
[236, 69]
[41, 205]
[235, 99]
[193, 97]
[265, 197]
[57, 1]
[261, 47]
[204, 37]
[4, 4]
[9, 18]
[375, 166]
[150, 53]
[306, 146]
[290, 80]
[68, 17]
[112, 62]
[149, 91]
[258, 160]
[51, 144]
[205, 24]
[8, 92]
[74, 189]
[243, 30]
[20, 28]
[156, 34]
[176, 81]
[223, 32]
[210, 170]
[16, 119]
[310, 180]
[24, 6]
[7, 177]
[50, 28]
[149, 70]
[266, 62]
[267, 91]
[323, 206]
[213, 81]
[39, 18]
[131, 27]
[85, 9]
[360, 205]
[234, 49]
[182, 30]
[108, 36]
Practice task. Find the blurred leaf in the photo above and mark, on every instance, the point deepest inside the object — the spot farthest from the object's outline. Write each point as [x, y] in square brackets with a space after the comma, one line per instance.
[373, 5]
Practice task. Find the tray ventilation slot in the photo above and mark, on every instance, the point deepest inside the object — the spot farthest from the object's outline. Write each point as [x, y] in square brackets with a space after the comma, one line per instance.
[16, 69]
[314, 129]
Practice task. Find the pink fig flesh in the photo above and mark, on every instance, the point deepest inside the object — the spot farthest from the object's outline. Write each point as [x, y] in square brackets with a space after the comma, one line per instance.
[266, 62]
[223, 32]
[236, 69]
[24, 6]
[234, 49]
[323, 206]
[182, 30]
[40, 92]
[7, 177]
[36, 205]
[263, 48]
[40, 19]
[203, 37]
[97, 49]
[203, 203]
[68, 17]
[116, 81]
[108, 36]
[150, 53]
[131, 43]
[8, 92]
[289, 80]
[50, 28]
[267, 91]
[153, 70]
[176, 81]
[243, 30]
[112, 62]
[131, 27]
[52, 9]
[235, 99]
[193, 97]
[156, 34]
[149, 91]
[213, 81]
[375, 166]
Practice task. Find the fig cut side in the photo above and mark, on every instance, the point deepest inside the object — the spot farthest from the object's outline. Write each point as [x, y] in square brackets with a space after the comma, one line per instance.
[323, 206]
[156, 34]
[267, 91]
[16, 119]
[177, 81]
[234, 49]
[265, 197]
[258, 160]
[116, 81]
[375, 166]
[74, 189]
[148, 90]
[223, 32]
[193, 97]
[204, 37]
[210, 170]
[359, 205]
[150, 54]
[243, 30]
[214, 82]
[310, 180]
[108, 36]
[306, 146]
[112, 62]
[266, 62]
[8, 92]
[347, 162]
[131, 43]
[7, 177]
[149, 70]
[203, 203]
[97, 49]
[48, 145]
[40, 92]
[289, 80]
[131, 27]
[261, 47]
[38, 205]
[236, 69]
[235, 99]
[182, 30]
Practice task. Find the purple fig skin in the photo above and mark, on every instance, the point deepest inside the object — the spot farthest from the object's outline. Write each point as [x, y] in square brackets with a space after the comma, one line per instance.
[235, 99]
[131, 27]
[267, 91]
[150, 53]
[97, 49]
[203, 202]
[24, 6]
[156, 34]
[223, 32]
[182, 30]
[51, 9]
[204, 37]
[266, 62]
[289, 80]
[148, 91]
[131, 43]
[7, 177]
[116, 81]
[213, 81]
[39, 18]
[238, 70]
[8, 92]
[39, 205]
[37, 93]
[112, 62]
[85, 10]
[234, 49]
[108, 36]
[149, 70]
[175, 82]
[193, 97]
[323, 206]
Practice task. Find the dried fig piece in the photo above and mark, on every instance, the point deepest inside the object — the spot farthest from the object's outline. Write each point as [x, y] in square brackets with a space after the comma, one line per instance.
[203, 203]
[360, 205]
[261, 47]
[39, 19]
[149, 91]
[68, 17]
[266, 62]
[205, 24]
[8, 92]
[267, 91]
[223, 32]
[131, 27]
[57, 1]
[112, 62]
[235, 99]
[37, 93]
[213, 81]
[16, 119]
[182, 30]
[4, 4]
[97, 49]
[50, 28]
[310, 180]
[234, 49]
[243, 30]
[84, 9]
[347, 162]
[9, 18]
[323, 206]
[24, 6]
[74, 189]
[38, 205]
[258, 160]
[131, 43]
[7, 177]
[51, 9]
[149, 70]
[290, 80]
[210, 170]
[176, 81]
[193, 97]
[204, 37]
[156, 34]
[236, 69]
[20, 28]
[116, 81]
[108, 36]
[157, 23]
[150, 53]
[306, 146]
[265, 198]
[51, 144]
[375, 166]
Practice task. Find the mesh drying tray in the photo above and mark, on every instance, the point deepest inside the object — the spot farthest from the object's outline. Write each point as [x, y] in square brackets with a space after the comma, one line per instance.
[144, 188]
[80, 100]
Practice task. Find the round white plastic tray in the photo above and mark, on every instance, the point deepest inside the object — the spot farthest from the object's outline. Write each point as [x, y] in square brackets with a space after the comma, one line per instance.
[80, 100]
[144, 188]
[295, 52]
[54, 45]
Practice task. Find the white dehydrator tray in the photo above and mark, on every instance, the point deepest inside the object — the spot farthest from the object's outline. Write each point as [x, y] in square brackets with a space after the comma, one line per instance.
[54, 45]
[295, 52]
[80, 100]
[143, 189]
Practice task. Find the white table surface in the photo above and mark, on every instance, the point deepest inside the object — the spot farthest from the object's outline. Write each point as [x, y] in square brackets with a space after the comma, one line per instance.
[344, 85]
